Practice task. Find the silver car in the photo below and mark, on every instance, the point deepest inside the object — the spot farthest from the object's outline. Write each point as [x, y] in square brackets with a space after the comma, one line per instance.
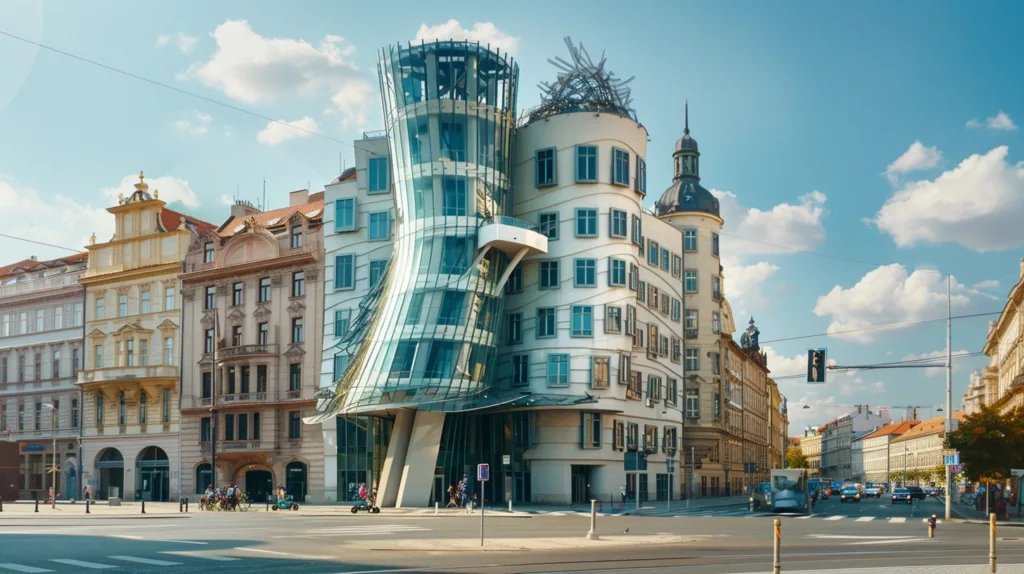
[761, 496]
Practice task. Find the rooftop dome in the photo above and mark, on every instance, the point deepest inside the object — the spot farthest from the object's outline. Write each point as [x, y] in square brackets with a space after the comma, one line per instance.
[686, 194]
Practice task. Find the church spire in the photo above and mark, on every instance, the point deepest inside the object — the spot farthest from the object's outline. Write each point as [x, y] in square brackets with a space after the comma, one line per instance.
[686, 107]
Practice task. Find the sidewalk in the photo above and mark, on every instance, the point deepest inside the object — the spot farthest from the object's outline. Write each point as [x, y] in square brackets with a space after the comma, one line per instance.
[662, 508]
[972, 569]
[521, 544]
[970, 515]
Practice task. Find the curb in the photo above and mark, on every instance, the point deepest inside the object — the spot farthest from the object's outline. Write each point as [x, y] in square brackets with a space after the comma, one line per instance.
[104, 517]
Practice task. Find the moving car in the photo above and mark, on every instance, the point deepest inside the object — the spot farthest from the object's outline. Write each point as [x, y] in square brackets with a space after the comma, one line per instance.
[789, 490]
[902, 495]
[873, 491]
[917, 492]
[761, 496]
[936, 491]
[849, 494]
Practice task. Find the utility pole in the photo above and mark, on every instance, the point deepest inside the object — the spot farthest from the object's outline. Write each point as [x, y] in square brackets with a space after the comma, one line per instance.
[949, 387]
[213, 401]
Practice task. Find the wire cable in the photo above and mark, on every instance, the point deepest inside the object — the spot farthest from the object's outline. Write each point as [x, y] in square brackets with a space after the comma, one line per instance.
[41, 243]
[805, 251]
[880, 327]
[905, 363]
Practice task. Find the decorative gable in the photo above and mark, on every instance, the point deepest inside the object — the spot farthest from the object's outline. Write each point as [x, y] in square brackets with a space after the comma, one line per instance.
[261, 311]
[294, 351]
[296, 309]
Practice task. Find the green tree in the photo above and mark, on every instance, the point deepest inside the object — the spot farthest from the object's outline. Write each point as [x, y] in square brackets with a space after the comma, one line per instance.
[990, 444]
[795, 457]
[939, 474]
[896, 476]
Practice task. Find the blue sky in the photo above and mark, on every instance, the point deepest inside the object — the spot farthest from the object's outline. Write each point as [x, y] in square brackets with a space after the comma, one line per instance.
[807, 117]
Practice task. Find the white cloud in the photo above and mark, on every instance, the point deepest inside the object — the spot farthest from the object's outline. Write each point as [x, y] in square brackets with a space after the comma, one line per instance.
[483, 32]
[785, 228]
[1000, 121]
[276, 133]
[226, 200]
[917, 157]
[56, 219]
[743, 284]
[940, 357]
[889, 294]
[987, 284]
[255, 69]
[198, 124]
[181, 41]
[172, 190]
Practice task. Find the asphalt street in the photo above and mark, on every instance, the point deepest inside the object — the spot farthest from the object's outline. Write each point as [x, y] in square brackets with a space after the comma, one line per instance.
[715, 542]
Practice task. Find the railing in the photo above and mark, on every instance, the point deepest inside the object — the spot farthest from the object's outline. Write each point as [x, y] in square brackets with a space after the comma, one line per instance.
[245, 350]
[48, 434]
[261, 397]
[505, 220]
[128, 373]
[375, 134]
[238, 445]
[53, 282]
[257, 397]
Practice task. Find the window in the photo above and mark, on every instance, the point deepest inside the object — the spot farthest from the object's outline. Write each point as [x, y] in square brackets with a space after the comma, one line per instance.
[143, 302]
[715, 322]
[665, 304]
[344, 271]
[677, 263]
[520, 370]
[76, 362]
[546, 322]
[129, 352]
[207, 383]
[590, 430]
[652, 252]
[5, 325]
[671, 391]
[664, 259]
[690, 280]
[714, 244]
[122, 410]
[638, 232]
[229, 427]
[613, 320]
[514, 328]
[143, 352]
[515, 282]
[716, 287]
[586, 273]
[453, 140]
[548, 224]
[582, 321]
[169, 299]
[378, 178]
[716, 364]
[345, 214]
[401, 365]
[204, 429]
[676, 309]
[617, 223]
[142, 407]
[451, 308]
[236, 335]
[56, 365]
[342, 317]
[633, 390]
[652, 296]
[586, 163]
[296, 237]
[208, 252]
[294, 377]
[97, 357]
[600, 369]
[620, 167]
[23, 323]
[616, 272]
[549, 275]
[39, 320]
[454, 198]
[633, 436]
[74, 413]
[689, 240]
[456, 255]
[294, 425]
[243, 426]
[634, 277]
[558, 370]
[255, 426]
[340, 365]
[630, 319]
[261, 378]
[654, 387]
[211, 294]
[692, 360]
[208, 341]
[122, 306]
[297, 336]
[692, 404]
[415, 307]
[641, 175]
[380, 224]
[586, 222]
[545, 167]
[641, 292]
[238, 294]
[99, 409]
[58, 317]
[691, 320]
[377, 268]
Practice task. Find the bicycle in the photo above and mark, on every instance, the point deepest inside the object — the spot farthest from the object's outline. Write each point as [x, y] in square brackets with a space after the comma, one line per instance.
[968, 499]
[244, 503]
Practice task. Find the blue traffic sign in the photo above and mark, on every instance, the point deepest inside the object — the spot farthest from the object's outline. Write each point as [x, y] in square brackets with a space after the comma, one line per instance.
[483, 472]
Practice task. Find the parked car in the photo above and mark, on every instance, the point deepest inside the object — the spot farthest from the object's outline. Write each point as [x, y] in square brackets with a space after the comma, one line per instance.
[849, 494]
[873, 491]
[902, 495]
[761, 496]
[917, 492]
[936, 491]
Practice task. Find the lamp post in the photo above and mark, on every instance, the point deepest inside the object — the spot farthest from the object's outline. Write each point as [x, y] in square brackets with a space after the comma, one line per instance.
[53, 470]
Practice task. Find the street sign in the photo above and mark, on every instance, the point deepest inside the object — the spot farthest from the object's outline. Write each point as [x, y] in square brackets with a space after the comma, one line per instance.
[951, 459]
[1018, 472]
[956, 468]
[483, 472]
[670, 465]
[506, 459]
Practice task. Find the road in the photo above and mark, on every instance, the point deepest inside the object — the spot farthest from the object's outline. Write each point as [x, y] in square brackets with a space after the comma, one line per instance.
[275, 542]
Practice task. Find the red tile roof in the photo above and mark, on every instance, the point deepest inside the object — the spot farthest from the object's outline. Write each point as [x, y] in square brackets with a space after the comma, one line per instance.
[171, 219]
[928, 427]
[29, 264]
[314, 209]
[892, 428]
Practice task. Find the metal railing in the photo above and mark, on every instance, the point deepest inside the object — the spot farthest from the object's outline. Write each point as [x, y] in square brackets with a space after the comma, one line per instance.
[43, 434]
[505, 220]
[238, 445]
[52, 282]
[244, 350]
[260, 397]
[128, 373]
[375, 134]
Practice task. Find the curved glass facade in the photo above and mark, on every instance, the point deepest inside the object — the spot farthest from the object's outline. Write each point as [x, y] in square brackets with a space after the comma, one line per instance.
[431, 337]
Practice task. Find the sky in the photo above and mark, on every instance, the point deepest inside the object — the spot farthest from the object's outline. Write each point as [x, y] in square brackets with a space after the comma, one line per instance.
[862, 153]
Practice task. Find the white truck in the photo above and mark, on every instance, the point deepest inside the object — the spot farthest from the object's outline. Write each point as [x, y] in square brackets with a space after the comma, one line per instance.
[789, 490]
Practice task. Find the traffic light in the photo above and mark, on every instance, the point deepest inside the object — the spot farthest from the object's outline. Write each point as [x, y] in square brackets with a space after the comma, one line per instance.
[816, 364]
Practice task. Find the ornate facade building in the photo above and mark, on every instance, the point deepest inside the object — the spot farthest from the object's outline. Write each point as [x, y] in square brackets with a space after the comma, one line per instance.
[253, 307]
[748, 405]
[1005, 348]
[133, 342]
[41, 326]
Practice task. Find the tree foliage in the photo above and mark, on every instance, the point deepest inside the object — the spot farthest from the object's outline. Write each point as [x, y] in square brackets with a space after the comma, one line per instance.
[990, 444]
[795, 457]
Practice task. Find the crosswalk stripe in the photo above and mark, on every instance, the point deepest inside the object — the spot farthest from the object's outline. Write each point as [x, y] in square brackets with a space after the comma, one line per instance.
[865, 519]
[837, 517]
[897, 520]
[22, 568]
[805, 517]
[83, 564]
[926, 520]
[214, 557]
[149, 561]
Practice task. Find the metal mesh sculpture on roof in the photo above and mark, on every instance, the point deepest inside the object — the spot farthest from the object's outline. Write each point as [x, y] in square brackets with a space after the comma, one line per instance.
[583, 86]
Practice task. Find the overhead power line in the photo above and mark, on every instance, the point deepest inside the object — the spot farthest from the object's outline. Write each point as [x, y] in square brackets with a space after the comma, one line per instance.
[893, 364]
[40, 243]
[805, 251]
[880, 327]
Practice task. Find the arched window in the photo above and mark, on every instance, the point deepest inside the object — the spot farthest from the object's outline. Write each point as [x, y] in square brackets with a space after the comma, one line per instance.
[122, 410]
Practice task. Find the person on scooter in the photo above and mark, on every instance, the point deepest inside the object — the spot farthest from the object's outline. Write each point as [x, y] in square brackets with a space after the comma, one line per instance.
[363, 493]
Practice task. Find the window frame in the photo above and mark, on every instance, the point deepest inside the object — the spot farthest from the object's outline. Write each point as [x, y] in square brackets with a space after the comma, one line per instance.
[556, 360]
[583, 215]
[542, 334]
[614, 221]
[340, 205]
[370, 234]
[339, 260]
[553, 167]
[583, 152]
[544, 282]
[589, 267]
[615, 267]
[371, 183]
[620, 167]
[584, 311]
[541, 224]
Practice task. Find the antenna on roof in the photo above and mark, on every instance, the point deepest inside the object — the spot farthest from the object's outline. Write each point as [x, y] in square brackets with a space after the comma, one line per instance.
[264, 206]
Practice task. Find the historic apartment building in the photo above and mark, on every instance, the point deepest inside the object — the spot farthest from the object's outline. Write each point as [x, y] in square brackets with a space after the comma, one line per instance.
[778, 423]
[872, 464]
[1005, 348]
[41, 326]
[133, 337]
[810, 445]
[920, 448]
[253, 308]
[746, 427]
[838, 435]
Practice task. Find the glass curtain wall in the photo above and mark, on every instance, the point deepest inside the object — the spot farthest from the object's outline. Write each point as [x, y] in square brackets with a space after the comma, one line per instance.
[362, 448]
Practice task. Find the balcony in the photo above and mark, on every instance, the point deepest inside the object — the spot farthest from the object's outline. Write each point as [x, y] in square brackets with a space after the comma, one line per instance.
[53, 282]
[261, 397]
[231, 446]
[511, 236]
[128, 373]
[246, 351]
[44, 434]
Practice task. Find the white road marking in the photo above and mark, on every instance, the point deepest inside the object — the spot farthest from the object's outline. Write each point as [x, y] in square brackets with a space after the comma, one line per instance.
[125, 536]
[897, 520]
[149, 561]
[243, 549]
[856, 537]
[213, 557]
[21, 568]
[899, 541]
[186, 541]
[836, 517]
[82, 564]
[865, 519]
[936, 522]
[805, 517]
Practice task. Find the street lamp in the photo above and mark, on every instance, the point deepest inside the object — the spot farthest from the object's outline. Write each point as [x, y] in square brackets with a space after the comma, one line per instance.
[53, 471]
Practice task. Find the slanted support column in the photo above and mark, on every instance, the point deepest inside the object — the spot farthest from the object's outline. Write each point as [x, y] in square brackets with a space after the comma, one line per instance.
[420, 460]
[511, 267]
[394, 463]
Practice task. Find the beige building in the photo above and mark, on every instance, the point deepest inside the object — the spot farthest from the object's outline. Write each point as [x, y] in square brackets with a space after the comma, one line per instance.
[254, 289]
[920, 448]
[778, 422]
[747, 427]
[133, 344]
[810, 444]
[875, 450]
[982, 391]
[1006, 353]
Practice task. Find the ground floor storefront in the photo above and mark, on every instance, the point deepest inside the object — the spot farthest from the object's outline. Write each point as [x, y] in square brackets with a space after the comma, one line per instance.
[37, 472]
[136, 468]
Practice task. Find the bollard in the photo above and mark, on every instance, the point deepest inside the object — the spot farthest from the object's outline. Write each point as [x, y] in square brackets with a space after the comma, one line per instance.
[509, 506]
[143, 506]
[751, 503]
[181, 505]
[1, 504]
[37, 505]
[435, 507]
[931, 526]
[592, 535]
[777, 568]
[87, 506]
[992, 541]
[186, 506]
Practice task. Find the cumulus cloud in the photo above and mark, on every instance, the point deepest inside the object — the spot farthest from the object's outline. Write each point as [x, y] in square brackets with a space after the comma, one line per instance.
[978, 204]
[56, 219]
[197, 123]
[486, 33]
[890, 294]
[987, 284]
[917, 157]
[172, 190]
[182, 42]
[255, 69]
[742, 284]
[277, 133]
[785, 228]
[1000, 122]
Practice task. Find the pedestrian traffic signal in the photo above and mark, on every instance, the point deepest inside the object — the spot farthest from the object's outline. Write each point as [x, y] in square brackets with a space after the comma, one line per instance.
[816, 365]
